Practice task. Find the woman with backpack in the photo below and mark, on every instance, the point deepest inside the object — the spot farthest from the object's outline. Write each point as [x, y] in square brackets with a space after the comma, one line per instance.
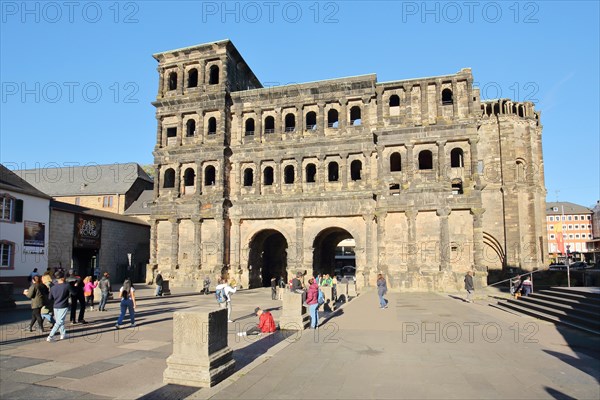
[127, 293]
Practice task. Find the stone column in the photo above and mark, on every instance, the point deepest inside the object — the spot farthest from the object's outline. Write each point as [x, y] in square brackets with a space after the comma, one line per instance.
[438, 99]
[344, 168]
[220, 239]
[368, 218]
[477, 214]
[298, 180]
[202, 74]
[413, 251]
[470, 95]
[235, 244]
[159, 133]
[321, 173]
[161, 82]
[410, 162]
[258, 130]
[294, 315]
[455, 99]
[366, 178]
[278, 178]
[321, 119]
[278, 121]
[381, 240]
[198, 180]
[258, 177]
[174, 242]
[443, 213]
[299, 119]
[157, 182]
[379, 94]
[441, 158]
[474, 160]
[424, 105]
[153, 242]
[178, 180]
[197, 241]
[343, 117]
[299, 262]
[201, 356]
[181, 79]
[200, 127]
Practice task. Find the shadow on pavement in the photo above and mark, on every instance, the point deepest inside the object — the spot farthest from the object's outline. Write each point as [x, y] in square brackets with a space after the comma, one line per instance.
[558, 395]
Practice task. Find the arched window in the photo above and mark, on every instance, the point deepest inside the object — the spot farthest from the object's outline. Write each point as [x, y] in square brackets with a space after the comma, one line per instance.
[190, 128]
[189, 177]
[425, 160]
[213, 79]
[311, 121]
[355, 170]
[332, 118]
[394, 100]
[520, 171]
[395, 162]
[248, 177]
[355, 116]
[457, 186]
[333, 172]
[311, 173]
[521, 111]
[250, 127]
[193, 78]
[173, 81]
[290, 122]
[447, 98]
[268, 176]
[496, 108]
[209, 176]
[288, 174]
[456, 158]
[169, 179]
[212, 126]
[269, 125]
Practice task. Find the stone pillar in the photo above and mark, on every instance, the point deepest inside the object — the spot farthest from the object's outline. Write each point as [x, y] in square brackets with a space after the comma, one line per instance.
[343, 117]
[161, 82]
[321, 119]
[443, 213]
[157, 182]
[198, 181]
[153, 241]
[411, 216]
[381, 240]
[366, 178]
[379, 94]
[298, 180]
[278, 121]
[477, 214]
[180, 79]
[258, 129]
[201, 356]
[368, 218]
[299, 119]
[159, 135]
[299, 262]
[470, 95]
[197, 241]
[200, 127]
[179, 136]
[178, 180]
[321, 173]
[235, 244]
[344, 168]
[278, 178]
[174, 242]
[455, 99]
[474, 160]
[438, 100]
[294, 315]
[258, 177]
[441, 158]
[424, 105]
[410, 162]
[220, 239]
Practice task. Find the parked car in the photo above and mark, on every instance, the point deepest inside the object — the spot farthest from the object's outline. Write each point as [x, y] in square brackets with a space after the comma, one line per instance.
[579, 265]
[557, 267]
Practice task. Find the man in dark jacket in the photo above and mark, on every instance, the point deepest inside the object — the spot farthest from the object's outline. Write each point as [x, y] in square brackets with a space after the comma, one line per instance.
[469, 286]
[159, 283]
[105, 289]
[77, 295]
[59, 295]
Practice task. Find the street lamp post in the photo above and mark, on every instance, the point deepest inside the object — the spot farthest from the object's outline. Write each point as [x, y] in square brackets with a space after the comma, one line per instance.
[568, 265]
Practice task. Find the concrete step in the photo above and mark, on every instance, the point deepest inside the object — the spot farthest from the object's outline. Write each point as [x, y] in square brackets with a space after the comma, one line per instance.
[564, 300]
[581, 297]
[586, 311]
[589, 319]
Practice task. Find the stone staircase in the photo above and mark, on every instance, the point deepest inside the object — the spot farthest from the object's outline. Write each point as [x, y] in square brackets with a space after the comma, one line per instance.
[575, 307]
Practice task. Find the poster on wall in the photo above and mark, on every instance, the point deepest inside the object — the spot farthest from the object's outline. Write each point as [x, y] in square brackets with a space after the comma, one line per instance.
[87, 232]
[34, 234]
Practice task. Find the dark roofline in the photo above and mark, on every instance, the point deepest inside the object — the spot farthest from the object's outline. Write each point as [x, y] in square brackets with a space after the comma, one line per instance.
[72, 208]
[13, 182]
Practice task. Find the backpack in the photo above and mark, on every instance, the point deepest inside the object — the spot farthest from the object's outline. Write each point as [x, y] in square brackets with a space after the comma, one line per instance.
[321, 298]
[220, 295]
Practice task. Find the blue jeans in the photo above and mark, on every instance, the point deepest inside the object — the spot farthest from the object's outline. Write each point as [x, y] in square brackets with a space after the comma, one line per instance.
[49, 318]
[313, 309]
[103, 300]
[60, 314]
[158, 290]
[126, 304]
[382, 302]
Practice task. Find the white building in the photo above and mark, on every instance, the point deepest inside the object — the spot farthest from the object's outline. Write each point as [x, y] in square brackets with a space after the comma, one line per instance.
[24, 228]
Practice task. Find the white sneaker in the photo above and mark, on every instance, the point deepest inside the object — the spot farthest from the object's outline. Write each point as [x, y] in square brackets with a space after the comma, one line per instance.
[49, 339]
[241, 333]
[63, 337]
[229, 320]
[133, 325]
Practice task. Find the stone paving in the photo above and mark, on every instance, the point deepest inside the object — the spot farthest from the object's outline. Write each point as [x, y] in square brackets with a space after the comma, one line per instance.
[422, 346]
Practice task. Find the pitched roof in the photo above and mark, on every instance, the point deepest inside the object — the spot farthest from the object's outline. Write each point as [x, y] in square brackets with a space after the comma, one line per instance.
[72, 208]
[85, 180]
[11, 181]
[142, 205]
[564, 207]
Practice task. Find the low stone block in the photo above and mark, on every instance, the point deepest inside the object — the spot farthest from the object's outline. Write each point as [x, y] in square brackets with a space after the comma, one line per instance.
[352, 289]
[329, 304]
[201, 356]
[294, 315]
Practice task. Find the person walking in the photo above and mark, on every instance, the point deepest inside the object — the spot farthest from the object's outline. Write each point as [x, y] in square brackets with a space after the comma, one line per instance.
[77, 296]
[381, 291]
[47, 309]
[38, 293]
[105, 290]
[224, 291]
[59, 296]
[312, 300]
[469, 287]
[273, 288]
[88, 291]
[159, 283]
[127, 293]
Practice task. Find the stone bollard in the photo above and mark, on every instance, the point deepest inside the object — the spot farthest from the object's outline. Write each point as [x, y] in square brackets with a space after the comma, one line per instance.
[6, 295]
[294, 315]
[201, 356]
[342, 292]
[165, 288]
[352, 289]
[329, 304]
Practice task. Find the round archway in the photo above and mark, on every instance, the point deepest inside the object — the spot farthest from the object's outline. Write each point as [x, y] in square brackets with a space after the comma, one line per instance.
[267, 258]
[330, 256]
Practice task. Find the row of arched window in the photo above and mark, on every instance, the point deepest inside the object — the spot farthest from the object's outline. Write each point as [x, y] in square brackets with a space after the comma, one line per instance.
[447, 99]
[426, 160]
[192, 78]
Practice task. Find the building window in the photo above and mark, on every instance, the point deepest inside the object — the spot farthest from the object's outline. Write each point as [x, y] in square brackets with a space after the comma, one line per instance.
[355, 117]
[7, 254]
[570, 236]
[447, 98]
[551, 218]
[268, 176]
[577, 236]
[169, 179]
[311, 173]
[551, 227]
[570, 227]
[290, 122]
[209, 176]
[589, 217]
[355, 170]
[190, 126]
[576, 226]
[555, 209]
[189, 177]
[576, 217]
[332, 118]
[171, 132]
[173, 81]
[457, 186]
[425, 160]
[395, 162]
[193, 78]
[7, 208]
[333, 170]
[248, 177]
[311, 121]
[212, 126]
[456, 158]
[269, 125]
[394, 100]
[589, 227]
[551, 236]
[250, 127]
[288, 174]
[214, 75]
[107, 201]
[569, 217]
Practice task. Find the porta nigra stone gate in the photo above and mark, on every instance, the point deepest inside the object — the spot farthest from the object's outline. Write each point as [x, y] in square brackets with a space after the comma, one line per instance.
[257, 182]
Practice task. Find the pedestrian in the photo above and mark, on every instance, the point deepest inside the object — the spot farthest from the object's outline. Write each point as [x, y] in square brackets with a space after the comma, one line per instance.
[469, 286]
[206, 288]
[312, 300]
[32, 274]
[527, 286]
[38, 293]
[127, 295]
[47, 309]
[233, 283]
[381, 291]
[88, 291]
[159, 282]
[105, 290]
[77, 296]
[273, 288]
[59, 297]
[223, 293]
[516, 286]
[266, 324]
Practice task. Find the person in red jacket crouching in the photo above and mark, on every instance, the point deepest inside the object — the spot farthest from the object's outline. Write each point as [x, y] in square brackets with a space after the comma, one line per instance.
[266, 324]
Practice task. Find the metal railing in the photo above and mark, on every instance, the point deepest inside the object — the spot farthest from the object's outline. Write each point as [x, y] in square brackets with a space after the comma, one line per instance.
[510, 280]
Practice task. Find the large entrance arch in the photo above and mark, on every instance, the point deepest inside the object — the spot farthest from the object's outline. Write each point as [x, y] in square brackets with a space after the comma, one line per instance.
[324, 250]
[267, 258]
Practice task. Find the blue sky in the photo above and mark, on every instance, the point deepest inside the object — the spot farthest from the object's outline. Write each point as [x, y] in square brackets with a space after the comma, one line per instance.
[78, 77]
